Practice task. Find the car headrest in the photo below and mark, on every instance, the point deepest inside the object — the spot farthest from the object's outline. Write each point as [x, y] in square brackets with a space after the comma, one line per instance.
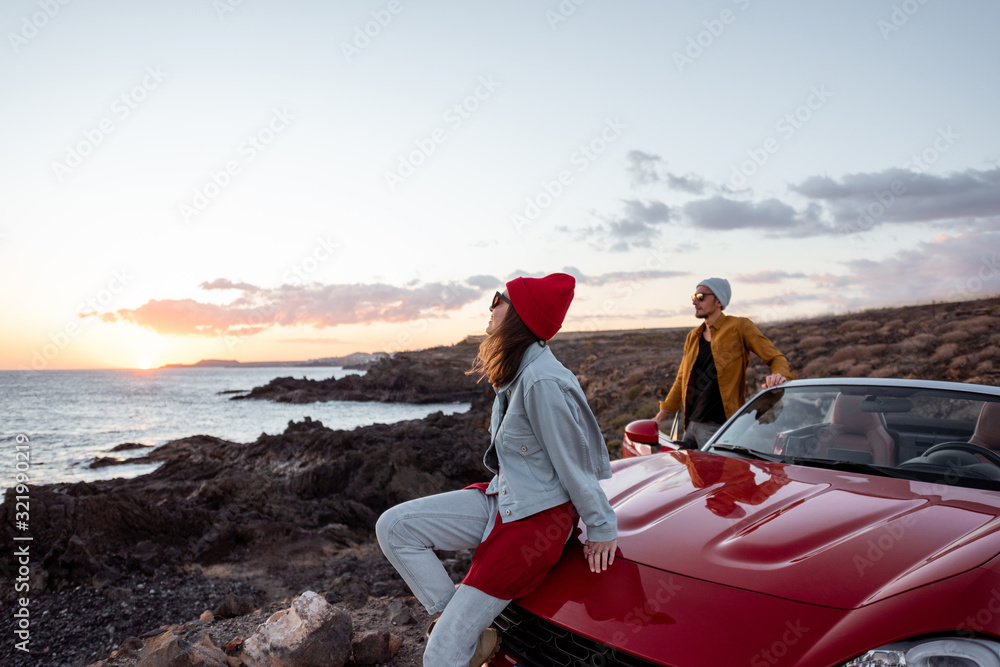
[987, 433]
[848, 415]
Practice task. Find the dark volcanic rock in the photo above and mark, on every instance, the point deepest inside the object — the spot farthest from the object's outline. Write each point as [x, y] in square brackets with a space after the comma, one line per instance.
[433, 376]
[126, 446]
[213, 500]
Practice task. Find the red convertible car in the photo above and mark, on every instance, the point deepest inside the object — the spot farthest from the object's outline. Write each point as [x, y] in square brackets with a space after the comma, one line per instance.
[829, 523]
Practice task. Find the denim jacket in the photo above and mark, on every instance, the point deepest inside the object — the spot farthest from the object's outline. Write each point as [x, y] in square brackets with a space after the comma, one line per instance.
[546, 447]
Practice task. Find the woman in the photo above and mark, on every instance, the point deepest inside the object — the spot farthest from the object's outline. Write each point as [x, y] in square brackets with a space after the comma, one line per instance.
[547, 455]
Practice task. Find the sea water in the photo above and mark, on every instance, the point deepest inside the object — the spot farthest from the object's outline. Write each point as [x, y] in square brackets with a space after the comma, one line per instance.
[67, 419]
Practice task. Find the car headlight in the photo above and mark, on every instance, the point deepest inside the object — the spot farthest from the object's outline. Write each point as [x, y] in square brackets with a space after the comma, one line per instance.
[948, 652]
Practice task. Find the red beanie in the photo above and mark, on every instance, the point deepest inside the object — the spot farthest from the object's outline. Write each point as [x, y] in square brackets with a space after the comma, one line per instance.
[541, 303]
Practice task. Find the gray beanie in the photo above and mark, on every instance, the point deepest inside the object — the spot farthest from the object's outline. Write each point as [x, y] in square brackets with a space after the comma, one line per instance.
[720, 288]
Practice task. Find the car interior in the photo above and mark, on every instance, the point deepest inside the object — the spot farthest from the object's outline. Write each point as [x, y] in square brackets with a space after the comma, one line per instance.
[899, 428]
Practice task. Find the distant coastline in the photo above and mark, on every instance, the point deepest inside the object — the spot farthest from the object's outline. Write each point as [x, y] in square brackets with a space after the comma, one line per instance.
[356, 360]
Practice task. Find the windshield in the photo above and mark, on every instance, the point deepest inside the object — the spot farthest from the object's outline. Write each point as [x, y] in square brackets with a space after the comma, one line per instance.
[941, 436]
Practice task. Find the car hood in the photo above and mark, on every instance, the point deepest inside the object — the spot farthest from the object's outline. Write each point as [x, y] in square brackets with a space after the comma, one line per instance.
[806, 534]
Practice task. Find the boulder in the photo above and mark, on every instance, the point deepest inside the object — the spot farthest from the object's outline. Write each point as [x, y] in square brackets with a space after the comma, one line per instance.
[171, 650]
[399, 614]
[310, 633]
[234, 605]
[375, 648]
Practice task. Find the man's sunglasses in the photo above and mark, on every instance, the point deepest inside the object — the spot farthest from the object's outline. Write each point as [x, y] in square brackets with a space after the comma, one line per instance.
[700, 296]
[497, 298]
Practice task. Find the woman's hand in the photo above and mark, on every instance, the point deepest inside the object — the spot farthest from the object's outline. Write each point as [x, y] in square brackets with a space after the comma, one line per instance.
[600, 554]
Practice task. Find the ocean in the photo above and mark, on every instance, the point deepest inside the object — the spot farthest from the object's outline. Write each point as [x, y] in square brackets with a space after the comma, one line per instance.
[66, 419]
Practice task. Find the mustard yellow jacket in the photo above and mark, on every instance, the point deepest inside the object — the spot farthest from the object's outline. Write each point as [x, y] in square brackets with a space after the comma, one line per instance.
[733, 338]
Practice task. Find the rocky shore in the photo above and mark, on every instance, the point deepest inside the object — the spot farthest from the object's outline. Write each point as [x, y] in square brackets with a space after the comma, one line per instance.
[436, 375]
[186, 563]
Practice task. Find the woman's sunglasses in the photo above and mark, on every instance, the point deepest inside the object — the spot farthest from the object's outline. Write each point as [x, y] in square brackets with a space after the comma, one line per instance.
[497, 298]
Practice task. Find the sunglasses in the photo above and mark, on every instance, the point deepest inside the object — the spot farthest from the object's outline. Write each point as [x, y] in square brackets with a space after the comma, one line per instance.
[700, 296]
[497, 298]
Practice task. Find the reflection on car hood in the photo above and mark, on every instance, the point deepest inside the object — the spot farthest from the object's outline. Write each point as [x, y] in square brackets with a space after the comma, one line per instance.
[806, 534]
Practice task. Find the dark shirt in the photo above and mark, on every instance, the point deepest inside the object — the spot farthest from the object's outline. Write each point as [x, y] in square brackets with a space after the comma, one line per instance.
[703, 390]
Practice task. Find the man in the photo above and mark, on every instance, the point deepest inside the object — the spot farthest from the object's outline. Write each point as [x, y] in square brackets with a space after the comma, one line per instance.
[711, 381]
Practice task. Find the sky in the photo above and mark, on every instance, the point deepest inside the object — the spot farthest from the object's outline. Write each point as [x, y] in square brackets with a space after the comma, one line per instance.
[262, 180]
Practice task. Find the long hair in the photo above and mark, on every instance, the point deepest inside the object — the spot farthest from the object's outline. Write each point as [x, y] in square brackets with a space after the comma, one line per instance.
[501, 352]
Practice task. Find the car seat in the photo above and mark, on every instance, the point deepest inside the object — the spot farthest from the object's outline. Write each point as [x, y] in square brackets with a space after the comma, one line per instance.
[856, 431]
[987, 433]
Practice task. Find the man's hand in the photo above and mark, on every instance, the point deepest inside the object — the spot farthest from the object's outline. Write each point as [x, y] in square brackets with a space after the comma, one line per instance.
[660, 416]
[773, 381]
[600, 554]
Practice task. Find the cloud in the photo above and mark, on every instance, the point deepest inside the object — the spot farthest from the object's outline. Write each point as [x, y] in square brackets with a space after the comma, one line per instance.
[642, 167]
[768, 276]
[899, 195]
[634, 227]
[483, 282]
[621, 276]
[777, 217]
[223, 283]
[690, 184]
[949, 268]
[966, 200]
[257, 309]
[648, 169]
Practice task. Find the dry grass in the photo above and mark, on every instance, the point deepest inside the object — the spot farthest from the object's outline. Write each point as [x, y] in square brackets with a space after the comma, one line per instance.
[815, 368]
[852, 326]
[812, 342]
[944, 353]
[956, 336]
[890, 371]
[917, 343]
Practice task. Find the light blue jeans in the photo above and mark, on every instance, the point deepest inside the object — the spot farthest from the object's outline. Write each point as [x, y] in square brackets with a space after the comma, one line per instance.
[408, 533]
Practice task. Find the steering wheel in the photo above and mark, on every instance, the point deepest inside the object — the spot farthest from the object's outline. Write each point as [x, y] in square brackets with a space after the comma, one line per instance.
[988, 454]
